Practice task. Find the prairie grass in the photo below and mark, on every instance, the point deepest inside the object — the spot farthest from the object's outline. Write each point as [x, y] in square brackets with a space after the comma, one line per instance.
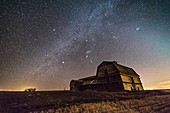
[85, 102]
[155, 104]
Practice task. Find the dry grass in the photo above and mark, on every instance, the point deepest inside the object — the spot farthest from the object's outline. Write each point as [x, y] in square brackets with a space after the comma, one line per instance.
[154, 104]
[85, 102]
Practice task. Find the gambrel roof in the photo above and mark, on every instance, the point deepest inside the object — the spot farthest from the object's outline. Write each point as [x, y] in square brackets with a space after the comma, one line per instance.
[121, 69]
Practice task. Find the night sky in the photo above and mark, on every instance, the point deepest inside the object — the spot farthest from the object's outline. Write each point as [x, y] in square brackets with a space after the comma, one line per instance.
[47, 43]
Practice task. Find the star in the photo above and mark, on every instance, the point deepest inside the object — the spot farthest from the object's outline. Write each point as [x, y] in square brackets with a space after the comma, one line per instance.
[87, 52]
[63, 62]
[137, 28]
[87, 56]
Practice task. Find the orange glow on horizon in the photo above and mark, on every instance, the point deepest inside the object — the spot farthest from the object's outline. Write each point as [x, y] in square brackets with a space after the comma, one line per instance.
[160, 85]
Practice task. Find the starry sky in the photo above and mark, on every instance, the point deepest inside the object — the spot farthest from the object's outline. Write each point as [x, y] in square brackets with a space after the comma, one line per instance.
[47, 43]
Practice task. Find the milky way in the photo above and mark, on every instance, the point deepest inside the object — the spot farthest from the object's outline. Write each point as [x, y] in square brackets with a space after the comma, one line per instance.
[47, 43]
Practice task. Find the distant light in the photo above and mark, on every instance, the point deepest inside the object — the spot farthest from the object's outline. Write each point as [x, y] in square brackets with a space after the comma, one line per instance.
[62, 62]
[25, 87]
[53, 29]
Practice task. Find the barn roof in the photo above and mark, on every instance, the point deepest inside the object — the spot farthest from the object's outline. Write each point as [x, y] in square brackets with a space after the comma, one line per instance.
[94, 81]
[121, 68]
[88, 78]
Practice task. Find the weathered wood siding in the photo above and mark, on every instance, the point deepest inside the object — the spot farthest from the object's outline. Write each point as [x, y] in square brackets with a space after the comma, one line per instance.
[131, 83]
[139, 87]
[136, 80]
[126, 78]
[127, 86]
[104, 69]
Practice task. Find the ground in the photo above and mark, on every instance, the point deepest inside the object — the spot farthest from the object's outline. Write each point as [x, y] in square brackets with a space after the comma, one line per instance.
[87, 102]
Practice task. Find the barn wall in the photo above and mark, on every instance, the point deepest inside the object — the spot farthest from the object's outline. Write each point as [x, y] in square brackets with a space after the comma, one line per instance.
[136, 80]
[139, 87]
[126, 78]
[102, 87]
[75, 85]
[101, 71]
[114, 78]
[117, 86]
[110, 78]
[127, 86]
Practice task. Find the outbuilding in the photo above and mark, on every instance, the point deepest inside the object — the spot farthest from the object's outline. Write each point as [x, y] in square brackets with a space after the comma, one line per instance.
[110, 76]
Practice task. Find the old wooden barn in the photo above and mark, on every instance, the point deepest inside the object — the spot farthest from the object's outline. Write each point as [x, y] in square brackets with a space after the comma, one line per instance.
[110, 76]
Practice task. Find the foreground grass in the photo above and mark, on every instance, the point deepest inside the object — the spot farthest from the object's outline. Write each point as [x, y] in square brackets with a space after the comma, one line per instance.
[87, 102]
[155, 104]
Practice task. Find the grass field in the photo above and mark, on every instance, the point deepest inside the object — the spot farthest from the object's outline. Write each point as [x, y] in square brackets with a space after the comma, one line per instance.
[157, 101]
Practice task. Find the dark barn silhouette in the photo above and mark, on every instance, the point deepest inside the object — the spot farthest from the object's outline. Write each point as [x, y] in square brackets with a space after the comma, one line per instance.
[110, 76]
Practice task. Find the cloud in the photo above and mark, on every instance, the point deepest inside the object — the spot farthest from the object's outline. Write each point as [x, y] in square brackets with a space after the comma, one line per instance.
[160, 85]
